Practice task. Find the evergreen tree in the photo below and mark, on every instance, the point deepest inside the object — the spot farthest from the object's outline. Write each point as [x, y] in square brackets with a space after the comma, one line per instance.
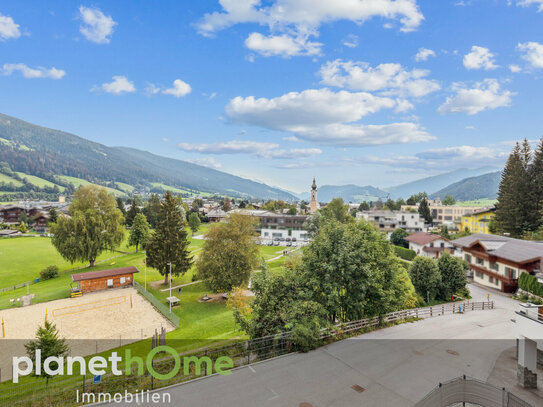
[424, 211]
[49, 342]
[151, 210]
[133, 211]
[226, 205]
[536, 174]
[364, 206]
[53, 215]
[194, 222]
[448, 200]
[169, 243]
[120, 205]
[139, 233]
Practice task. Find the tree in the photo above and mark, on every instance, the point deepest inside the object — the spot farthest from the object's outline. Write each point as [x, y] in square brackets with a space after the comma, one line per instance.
[196, 204]
[390, 205]
[194, 222]
[94, 225]
[292, 210]
[536, 174]
[240, 305]
[453, 274]
[169, 243]
[229, 253]
[120, 205]
[445, 232]
[226, 205]
[364, 206]
[397, 237]
[49, 342]
[424, 211]
[337, 210]
[352, 271]
[416, 198]
[151, 210]
[425, 277]
[312, 224]
[448, 200]
[22, 227]
[24, 218]
[133, 211]
[53, 215]
[242, 205]
[139, 233]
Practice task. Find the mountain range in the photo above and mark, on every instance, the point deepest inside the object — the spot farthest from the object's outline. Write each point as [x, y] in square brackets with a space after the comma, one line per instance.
[56, 156]
[482, 186]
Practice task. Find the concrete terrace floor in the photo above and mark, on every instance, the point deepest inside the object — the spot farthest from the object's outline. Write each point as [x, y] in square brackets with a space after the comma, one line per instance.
[395, 366]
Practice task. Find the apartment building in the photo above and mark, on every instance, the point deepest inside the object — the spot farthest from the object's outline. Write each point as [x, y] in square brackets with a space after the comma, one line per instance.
[387, 221]
[498, 261]
[478, 221]
[429, 245]
[449, 215]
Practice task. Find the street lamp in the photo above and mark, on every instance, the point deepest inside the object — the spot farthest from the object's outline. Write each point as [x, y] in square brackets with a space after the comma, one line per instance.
[170, 300]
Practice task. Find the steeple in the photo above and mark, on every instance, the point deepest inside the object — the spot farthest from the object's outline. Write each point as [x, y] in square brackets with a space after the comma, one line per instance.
[314, 204]
[314, 186]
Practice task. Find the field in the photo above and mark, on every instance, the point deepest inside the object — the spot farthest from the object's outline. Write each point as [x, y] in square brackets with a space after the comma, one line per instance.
[39, 182]
[5, 179]
[77, 182]
[124, 317]
[478, 202]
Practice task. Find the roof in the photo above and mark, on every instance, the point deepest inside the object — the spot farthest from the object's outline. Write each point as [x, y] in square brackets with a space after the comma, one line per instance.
[422, 238]
[216, 213]
[91, 275]
[482, 210]
[515, 250]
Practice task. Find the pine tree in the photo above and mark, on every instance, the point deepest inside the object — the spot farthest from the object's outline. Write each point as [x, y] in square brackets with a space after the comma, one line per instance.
[169, 243]
[424, 211]
[536, 174]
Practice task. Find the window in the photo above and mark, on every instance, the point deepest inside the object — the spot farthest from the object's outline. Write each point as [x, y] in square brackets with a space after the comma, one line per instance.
[480, 261]
[123, 280]
[478, 274]
[497, 282]
[494, 266]
[110, 282]
[490, 279]
[511, 273]
[467, 257]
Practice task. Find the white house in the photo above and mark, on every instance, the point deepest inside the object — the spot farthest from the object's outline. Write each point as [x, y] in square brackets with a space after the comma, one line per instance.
[428, 244]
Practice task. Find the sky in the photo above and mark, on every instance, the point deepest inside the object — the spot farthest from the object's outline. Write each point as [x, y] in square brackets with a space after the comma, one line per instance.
[368, 92]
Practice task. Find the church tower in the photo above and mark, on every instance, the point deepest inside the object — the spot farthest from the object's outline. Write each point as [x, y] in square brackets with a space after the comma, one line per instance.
[314, 204]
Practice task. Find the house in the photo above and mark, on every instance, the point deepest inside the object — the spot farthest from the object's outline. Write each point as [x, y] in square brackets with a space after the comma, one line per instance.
[40, 223]
[428, 244]
[478, 221]
[9, 233]
[387, 221]
[103, 279]
[498, 261]
[216, 215]
[449, 215]
[277, 225]
[10, 214]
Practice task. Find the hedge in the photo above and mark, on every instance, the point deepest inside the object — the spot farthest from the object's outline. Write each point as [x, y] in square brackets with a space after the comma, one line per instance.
[403, 253]
[530, 283]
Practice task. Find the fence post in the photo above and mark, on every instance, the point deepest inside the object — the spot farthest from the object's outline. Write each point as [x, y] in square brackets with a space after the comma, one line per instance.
[431, 311]
[483, 305]
[249, 352]
[442, 309]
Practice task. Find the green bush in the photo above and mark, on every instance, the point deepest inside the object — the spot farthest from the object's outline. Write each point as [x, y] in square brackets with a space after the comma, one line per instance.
[49, 273]
[403, 253]
[530, 283]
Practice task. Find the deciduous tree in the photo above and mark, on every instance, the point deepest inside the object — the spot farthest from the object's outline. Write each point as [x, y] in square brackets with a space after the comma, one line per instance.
[425, 277]
[194, 222]
[139, 233]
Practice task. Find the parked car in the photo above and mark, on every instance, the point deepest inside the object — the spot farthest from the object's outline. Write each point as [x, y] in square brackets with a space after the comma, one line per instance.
[294, 244]
[288, 239]
[289, 244]
[293, 239]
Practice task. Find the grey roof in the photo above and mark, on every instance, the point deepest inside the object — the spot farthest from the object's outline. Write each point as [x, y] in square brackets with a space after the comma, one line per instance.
[516, 250]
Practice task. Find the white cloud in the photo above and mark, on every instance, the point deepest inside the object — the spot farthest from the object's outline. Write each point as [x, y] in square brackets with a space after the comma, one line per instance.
[96, 27]
[151, 89]
[260, 149]
[390, 78]
[8, 28]
[515, 68]
[119, 86]
[351, 41]
[32, 73]
[424, 54]
[206, 162]
[179, 89]
[282, 45]
[527, 3]
[326, 117]
[533, 53]
[479, 58]
[485, 95]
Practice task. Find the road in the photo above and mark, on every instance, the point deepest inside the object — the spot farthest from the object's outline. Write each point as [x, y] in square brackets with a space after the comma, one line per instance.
[395, 366]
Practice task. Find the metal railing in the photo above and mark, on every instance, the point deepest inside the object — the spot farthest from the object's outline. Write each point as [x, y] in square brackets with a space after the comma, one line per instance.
[469, 390]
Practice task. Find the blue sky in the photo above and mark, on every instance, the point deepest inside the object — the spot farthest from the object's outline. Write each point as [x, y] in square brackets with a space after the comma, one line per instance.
[376, 92]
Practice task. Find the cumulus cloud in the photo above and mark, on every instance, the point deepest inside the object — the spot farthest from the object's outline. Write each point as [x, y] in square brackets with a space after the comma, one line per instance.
[424, 54]
[118, 86]
[515, 68]
[96, 26]
[32, 73]
[533, 53]
[282, 45]
[8, 28]
[485, 95]
[179, 89]
[325, 117]
[480, 58]
[389, 79]
[300, 19]
[260, 149]
[527, 3]
[206, 162]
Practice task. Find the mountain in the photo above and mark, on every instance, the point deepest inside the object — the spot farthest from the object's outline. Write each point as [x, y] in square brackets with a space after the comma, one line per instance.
[349, 193]
[436, 182]
[482, 186]
[45, 153]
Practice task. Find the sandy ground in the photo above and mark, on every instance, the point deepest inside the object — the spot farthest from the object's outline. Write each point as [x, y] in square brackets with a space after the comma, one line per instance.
[91, 323]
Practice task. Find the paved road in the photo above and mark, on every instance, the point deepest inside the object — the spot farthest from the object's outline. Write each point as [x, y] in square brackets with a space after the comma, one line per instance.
[396, 366]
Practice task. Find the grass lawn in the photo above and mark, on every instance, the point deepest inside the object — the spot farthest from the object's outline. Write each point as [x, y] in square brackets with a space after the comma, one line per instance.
[478, 202]
[77, 182]
[5, 179]
[39, 182]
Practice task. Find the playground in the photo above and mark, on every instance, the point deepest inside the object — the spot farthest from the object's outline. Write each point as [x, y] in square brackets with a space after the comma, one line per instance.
[91, 323]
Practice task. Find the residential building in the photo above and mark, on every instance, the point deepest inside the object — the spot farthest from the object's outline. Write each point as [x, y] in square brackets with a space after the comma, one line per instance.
[498, 261]
[387, 221]
[429, 245]
[449, 215]
[277, 225]
[314, 203]
[478, 221]
[216, 215]
[103, 279]
[10, 214]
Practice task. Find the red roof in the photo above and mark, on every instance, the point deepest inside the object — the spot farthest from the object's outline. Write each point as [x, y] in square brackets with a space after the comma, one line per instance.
[90, 275]
[422, 238]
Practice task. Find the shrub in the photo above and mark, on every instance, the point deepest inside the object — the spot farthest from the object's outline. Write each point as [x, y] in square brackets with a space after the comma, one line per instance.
[403, 253]
[531, 284]
[49, 273]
